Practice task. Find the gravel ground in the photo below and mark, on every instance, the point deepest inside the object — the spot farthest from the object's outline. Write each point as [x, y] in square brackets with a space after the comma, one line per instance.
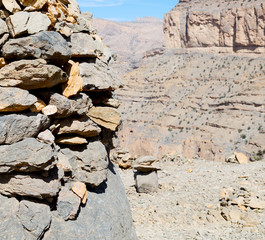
[188, 206]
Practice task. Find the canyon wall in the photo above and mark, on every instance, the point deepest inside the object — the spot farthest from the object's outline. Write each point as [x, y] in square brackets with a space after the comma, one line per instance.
[57, 125]
[204, 97]
[216, 26]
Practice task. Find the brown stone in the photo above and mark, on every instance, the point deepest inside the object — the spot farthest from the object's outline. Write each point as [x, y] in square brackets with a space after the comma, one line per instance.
[84, 199]
[32, 5]
[82, 126]
[75, 82]
[2, 62]
[31, 74]
[37, 106]
[242, 158]
[105, 116]
[69, 140]
[125, 165]
[79, 189]
[228, 29]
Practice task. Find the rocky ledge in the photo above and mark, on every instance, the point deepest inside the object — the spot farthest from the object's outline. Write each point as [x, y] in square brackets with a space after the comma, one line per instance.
[57, 124]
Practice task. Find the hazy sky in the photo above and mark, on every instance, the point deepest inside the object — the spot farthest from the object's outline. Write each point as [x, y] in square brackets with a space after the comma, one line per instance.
[127, 10]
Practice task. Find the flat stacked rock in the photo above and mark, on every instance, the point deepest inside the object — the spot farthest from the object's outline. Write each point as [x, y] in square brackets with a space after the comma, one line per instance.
[145, 175]
[57, 120]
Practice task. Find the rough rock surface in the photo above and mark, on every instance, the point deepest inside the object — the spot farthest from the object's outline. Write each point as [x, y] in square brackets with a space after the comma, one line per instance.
[15, 99]
[31, 74]
[82, 126]
[53, 155]
[217, 26]
[22, 23]
[109, 211]
[98, 77]
[33, 185]
[28, 155]
[35, 217]
[68, 204]
[89, 164]
[16, 127]
[10, 227]
[105, 116]
[84, 45]
[48, 45]
[78, 104]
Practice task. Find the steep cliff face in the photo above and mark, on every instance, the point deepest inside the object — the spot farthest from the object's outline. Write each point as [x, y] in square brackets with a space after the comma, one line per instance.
[217, 26]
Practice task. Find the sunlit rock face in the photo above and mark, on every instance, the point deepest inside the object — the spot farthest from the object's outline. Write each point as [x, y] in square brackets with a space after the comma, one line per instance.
[216, 26]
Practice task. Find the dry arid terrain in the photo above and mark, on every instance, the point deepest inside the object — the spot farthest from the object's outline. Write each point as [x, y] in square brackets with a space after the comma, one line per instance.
[131, 41]
[202, 200]
[197, 104]
[194, 108]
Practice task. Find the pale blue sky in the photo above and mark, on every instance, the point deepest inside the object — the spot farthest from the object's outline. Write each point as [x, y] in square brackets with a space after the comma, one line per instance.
[127, 10]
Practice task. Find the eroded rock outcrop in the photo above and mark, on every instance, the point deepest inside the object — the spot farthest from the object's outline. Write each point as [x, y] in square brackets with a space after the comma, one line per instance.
[55, 167]
[216, 26]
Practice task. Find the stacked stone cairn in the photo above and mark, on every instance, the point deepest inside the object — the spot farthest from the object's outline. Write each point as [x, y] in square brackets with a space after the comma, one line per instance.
[57, 122]
[121, 157]
[145, 174]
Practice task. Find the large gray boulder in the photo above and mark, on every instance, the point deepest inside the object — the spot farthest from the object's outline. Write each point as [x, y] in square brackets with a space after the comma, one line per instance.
[89, 164]
[106, 215]
[16, 127]
[28, 155]
[98, 77]
[84, 45]
[48, 45]
[31, 74]
[15, 99]
[30, 185]
[22, 23]
[10, 227]
[35, 218]
[78, 104]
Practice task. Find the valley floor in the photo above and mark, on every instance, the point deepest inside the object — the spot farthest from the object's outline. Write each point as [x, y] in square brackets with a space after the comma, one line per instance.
[188, 204]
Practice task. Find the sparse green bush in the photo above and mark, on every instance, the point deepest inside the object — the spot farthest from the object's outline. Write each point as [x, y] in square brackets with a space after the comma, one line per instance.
[243, 136]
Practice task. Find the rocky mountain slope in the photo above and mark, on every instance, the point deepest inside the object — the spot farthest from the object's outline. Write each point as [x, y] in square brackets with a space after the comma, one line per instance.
[194, 101]
[217, 26]
[134, 39]
[57, 124]
[196, 105]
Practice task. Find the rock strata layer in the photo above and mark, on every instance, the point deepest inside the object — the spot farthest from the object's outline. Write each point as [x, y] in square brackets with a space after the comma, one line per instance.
[216, 26]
